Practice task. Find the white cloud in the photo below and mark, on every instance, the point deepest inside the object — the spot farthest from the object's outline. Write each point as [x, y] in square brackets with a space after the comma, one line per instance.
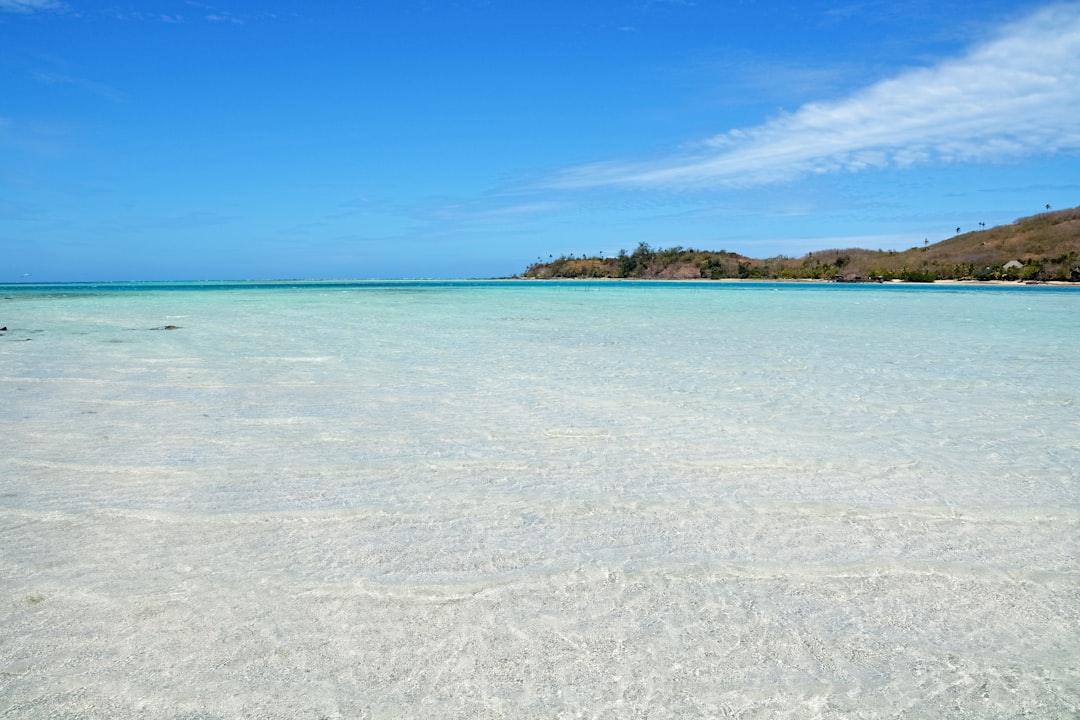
[1013, 96]
[29, 6]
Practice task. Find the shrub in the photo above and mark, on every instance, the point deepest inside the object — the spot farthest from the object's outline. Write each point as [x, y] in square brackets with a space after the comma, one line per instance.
[922, 275]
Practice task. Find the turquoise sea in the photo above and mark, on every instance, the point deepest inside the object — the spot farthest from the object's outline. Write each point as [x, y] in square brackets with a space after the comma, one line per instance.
[515, 499]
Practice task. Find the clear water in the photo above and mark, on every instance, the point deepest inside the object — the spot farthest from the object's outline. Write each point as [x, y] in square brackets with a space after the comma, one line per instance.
[538, 500]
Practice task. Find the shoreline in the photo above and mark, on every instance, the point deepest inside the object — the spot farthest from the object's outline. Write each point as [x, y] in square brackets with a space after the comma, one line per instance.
[808, 281]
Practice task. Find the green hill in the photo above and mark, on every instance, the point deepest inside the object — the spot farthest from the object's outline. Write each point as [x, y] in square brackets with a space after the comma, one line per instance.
[1041, 247]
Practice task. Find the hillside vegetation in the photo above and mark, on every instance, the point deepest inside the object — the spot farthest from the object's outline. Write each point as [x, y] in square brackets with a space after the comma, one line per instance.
[1041, 247]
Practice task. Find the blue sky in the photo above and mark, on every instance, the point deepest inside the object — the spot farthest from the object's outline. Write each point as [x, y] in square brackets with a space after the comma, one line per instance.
[229, 140]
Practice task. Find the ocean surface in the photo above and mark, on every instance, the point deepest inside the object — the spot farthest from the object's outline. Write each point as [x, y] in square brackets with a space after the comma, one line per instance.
[517, 499]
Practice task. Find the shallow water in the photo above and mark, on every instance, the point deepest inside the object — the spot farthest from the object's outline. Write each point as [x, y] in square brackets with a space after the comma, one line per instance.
[524, 499]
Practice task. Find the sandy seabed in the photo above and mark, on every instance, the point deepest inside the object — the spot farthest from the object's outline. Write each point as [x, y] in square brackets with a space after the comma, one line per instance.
[541, 501]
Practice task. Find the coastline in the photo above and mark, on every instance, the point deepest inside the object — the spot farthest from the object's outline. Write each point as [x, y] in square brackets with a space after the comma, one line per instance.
[803, 281]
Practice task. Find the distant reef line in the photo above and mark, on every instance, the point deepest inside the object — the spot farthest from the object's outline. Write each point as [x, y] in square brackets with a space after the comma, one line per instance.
[1039, 248]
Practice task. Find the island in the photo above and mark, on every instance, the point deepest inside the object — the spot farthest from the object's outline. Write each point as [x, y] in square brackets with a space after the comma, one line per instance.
[1040, 248]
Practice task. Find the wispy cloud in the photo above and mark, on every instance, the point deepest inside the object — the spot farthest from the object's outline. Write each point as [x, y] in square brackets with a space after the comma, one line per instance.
[224, 18]
[486, 215]
[499, 213]
[215, 14]
[201, 12]
[1016, 95]
[37, 140]
[101, 89]
[29, 6]
[136, 15]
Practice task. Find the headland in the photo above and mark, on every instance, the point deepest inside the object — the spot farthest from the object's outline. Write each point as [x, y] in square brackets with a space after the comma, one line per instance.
[1040, 248]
